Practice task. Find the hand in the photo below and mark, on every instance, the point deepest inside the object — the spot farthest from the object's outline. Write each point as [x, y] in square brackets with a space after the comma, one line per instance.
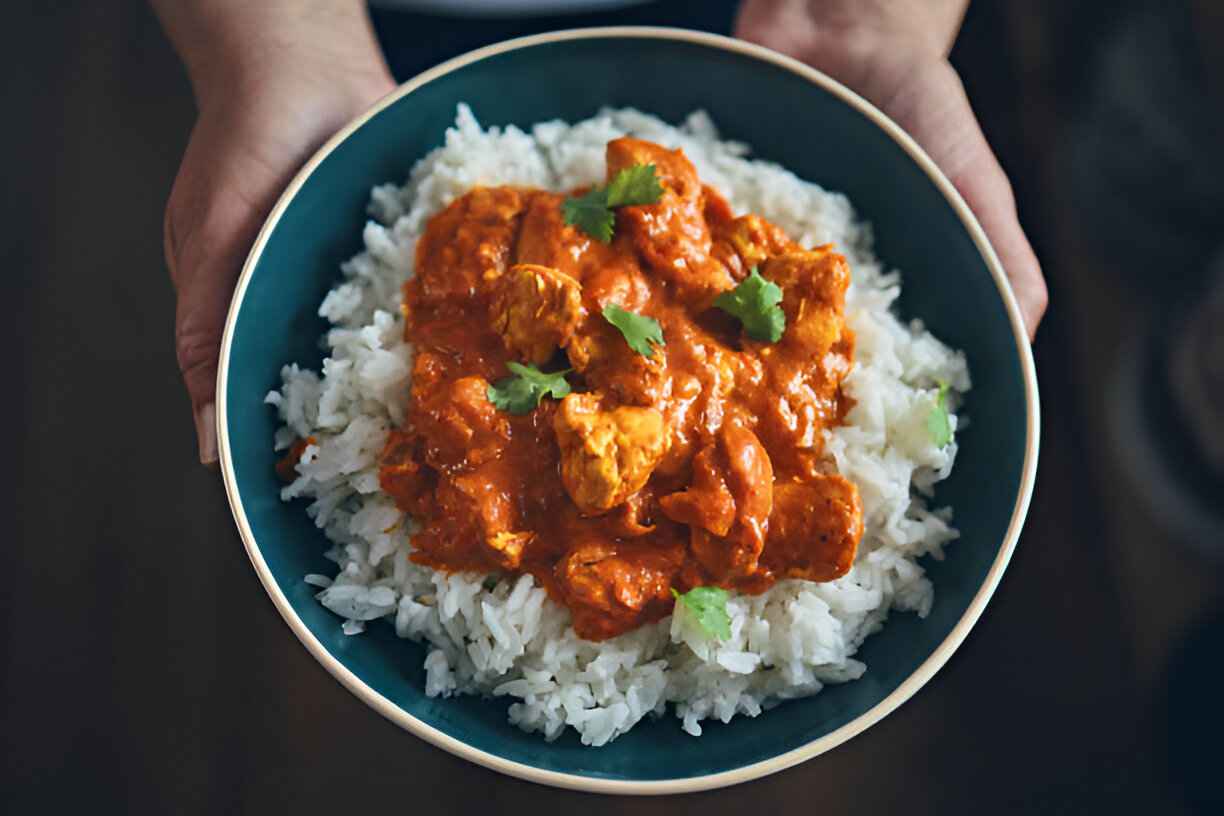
[895, 55]
[264, 107]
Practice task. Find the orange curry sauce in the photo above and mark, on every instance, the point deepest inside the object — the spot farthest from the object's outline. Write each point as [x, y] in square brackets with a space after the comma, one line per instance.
[701, 465]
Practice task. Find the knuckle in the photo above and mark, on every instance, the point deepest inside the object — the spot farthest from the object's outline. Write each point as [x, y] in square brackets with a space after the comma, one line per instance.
[180, 230]
[197, 347]
[203, 237]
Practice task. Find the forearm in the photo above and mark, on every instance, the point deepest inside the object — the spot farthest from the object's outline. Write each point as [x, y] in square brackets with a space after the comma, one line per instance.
[228, 45]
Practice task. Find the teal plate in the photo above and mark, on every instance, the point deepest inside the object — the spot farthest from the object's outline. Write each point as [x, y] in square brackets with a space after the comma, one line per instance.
[789, 114]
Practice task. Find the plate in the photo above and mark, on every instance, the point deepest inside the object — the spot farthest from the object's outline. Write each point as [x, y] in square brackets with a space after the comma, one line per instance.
[789, 114]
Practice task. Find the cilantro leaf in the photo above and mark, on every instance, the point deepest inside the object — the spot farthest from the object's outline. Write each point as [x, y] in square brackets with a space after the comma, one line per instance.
[708, 606]
[592, 212]
[755, 303]
[938, 424]
[639, 331]
[520, 394]
[634, 185]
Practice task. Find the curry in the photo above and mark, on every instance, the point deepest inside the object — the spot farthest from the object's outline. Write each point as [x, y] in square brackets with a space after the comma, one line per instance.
[697, 464]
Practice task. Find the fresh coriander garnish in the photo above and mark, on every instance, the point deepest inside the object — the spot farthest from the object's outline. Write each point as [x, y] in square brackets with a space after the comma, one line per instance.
[637, 184]
[522, 393]
[639, 331]
[708, 606]
[939, 426]
[592, 211]
[755, 304]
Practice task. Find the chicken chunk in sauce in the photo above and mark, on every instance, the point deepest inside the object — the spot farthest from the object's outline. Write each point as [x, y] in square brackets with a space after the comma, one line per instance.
[727, 506]
[604, 582]
[535, 310]
[814, 529]
[673, 236]
[607, 455]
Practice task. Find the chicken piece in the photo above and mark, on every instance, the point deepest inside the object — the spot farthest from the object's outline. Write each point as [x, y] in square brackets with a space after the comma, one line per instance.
[717, 213]
[721, 221]
[457, 425]
[445, 416]
[546, 239]
[506, 548]
[814, 529]
[672, 235]
[705, 384]
[727, 505]
[466, 244]
[621, 281]
[673, 169]
[535, 310]
[707, 503]
[806, 367]
[599, 351]
[814, 287]
[612, 588]
[606, 455]
[631, 518]
[754, 240]
[482, 497]
[474, 524]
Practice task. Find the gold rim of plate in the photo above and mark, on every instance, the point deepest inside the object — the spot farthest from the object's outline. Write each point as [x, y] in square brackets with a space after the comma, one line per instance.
[756, 770]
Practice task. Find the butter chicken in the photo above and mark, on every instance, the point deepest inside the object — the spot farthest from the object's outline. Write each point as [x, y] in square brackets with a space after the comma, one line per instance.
[699, 463]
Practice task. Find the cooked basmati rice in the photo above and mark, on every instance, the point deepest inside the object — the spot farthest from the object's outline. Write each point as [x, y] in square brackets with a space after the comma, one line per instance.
[507, 638]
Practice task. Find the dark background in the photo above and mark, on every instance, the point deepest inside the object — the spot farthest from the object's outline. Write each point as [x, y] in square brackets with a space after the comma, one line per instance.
[143, 670]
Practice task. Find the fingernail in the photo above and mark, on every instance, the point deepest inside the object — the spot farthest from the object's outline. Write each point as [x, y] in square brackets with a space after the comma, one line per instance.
[206, 433]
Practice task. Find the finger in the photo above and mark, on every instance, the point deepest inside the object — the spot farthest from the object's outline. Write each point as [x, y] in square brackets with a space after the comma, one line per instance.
[203, 301]
[208, 234]
[988, 193]
[935, 110]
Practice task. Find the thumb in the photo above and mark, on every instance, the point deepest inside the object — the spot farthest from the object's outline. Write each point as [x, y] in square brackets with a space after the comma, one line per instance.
[205, 249]
[932, 106]
[238, 160]
[224, 189]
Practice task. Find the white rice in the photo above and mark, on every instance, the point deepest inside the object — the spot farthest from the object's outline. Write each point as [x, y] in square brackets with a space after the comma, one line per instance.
[509, 639]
